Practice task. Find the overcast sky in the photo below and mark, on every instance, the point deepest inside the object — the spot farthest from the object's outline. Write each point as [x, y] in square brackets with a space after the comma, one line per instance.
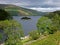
[40, 5]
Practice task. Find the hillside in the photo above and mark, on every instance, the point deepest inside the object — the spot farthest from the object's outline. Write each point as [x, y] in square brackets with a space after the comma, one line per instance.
[52, 14]
[16, 10]
[53, 39]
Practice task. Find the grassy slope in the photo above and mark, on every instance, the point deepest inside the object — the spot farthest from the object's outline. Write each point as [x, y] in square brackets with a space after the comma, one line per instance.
[16, 10]
[53, 39]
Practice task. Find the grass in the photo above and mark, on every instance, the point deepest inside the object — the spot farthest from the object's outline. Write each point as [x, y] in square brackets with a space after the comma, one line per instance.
[26, 40]
[53, 39]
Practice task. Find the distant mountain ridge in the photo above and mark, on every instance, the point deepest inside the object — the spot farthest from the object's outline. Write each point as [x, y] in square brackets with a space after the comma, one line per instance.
[16, 10]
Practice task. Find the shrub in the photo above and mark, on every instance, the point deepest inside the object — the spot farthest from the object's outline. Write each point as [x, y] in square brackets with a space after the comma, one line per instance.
[44, 25]
[13, 31]
[34, 35]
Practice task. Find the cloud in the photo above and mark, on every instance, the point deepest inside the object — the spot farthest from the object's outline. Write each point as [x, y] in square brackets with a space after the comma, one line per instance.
[32, 2]
[46, 9]
[40, 5]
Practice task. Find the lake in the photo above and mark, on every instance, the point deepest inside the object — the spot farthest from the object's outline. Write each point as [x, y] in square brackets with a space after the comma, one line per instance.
[27, 25]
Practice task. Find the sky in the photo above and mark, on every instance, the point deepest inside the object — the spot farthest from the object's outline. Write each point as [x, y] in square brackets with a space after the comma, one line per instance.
[39, 5]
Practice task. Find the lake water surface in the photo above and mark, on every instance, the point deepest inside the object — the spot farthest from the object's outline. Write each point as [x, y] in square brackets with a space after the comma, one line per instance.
[27, 25]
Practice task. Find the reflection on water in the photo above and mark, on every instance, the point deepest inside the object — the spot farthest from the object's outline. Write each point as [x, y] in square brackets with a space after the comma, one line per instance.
[28, 25]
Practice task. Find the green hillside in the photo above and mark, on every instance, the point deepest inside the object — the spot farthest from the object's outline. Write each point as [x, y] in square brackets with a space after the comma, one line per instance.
[53, 39]
[49, 27]
[52, 14]
[16, 10]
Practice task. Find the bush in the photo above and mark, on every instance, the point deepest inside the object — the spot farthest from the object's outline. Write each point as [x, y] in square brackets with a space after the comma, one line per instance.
[13, 31]
[34, 35]
[55, 17]
[44, 25]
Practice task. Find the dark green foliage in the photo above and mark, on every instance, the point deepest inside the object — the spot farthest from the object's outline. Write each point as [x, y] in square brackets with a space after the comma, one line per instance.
[56, 22]
[4, 15]
[55, 17]
[52, 14]
[1, 36]
[57, 12]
